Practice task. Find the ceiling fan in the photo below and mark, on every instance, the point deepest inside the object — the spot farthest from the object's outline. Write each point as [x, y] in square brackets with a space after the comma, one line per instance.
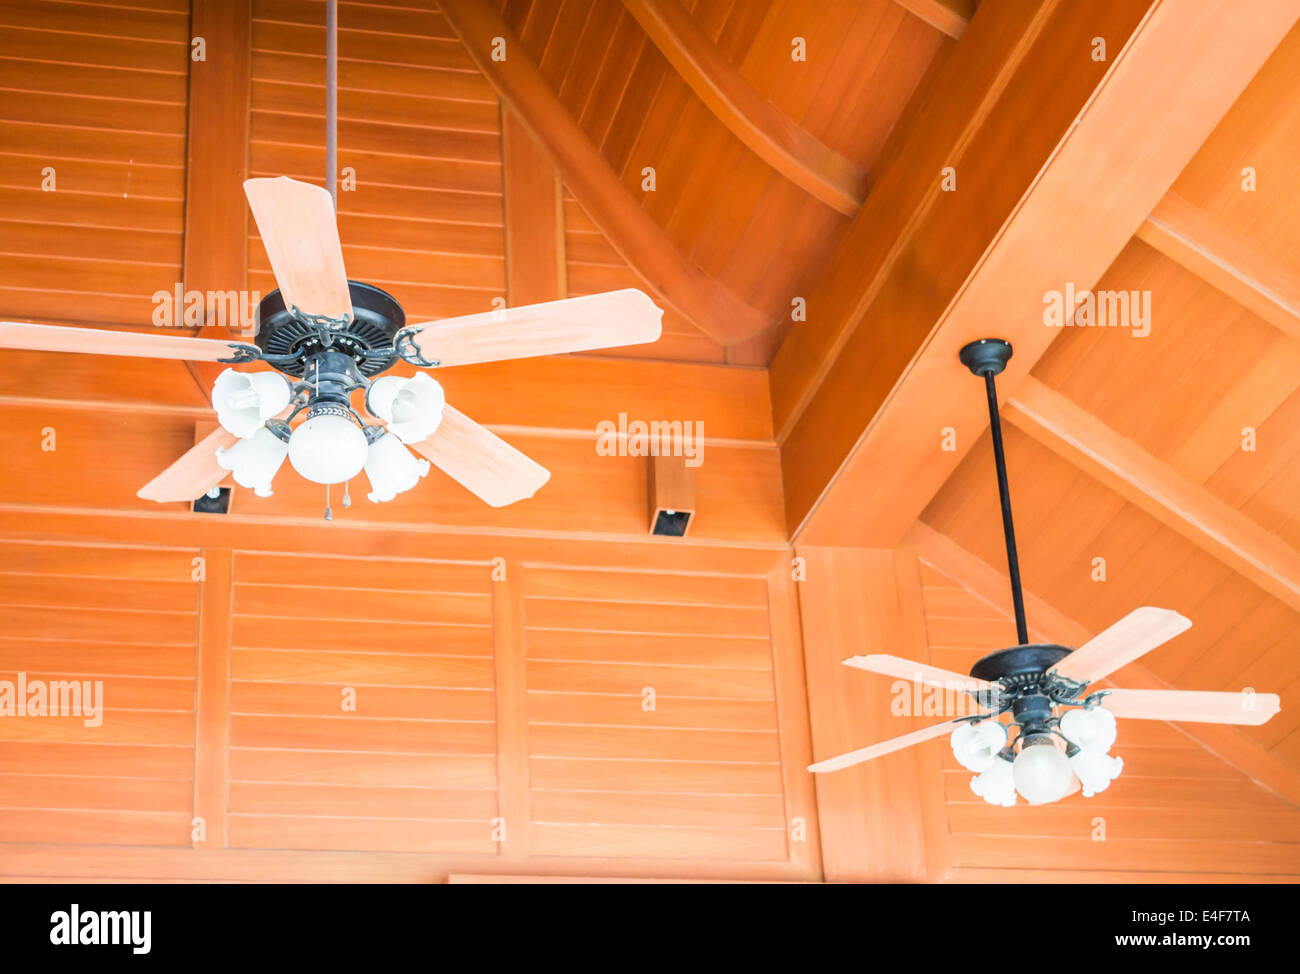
[1063, 732]
[328, 337]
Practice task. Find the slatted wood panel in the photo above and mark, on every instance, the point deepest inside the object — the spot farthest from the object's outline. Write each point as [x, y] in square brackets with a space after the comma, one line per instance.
[361, 706]
[124, 618]
[96, 93]
[652, 726]
[1175, 808]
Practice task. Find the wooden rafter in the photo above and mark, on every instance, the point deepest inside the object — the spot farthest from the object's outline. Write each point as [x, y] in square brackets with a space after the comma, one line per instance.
[960, 265]
[949, 16]
[639, 240]
[1187, 234]
[1049, 625]
[1158, 489]
[770, 133]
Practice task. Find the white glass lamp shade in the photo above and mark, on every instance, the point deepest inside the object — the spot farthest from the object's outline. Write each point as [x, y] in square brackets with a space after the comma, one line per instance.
[246, 400]
[1095, 770]
[253, 461]
[996, 785]
[1092, 730]
[328, 449]
[976, 746]
[1042, 772]
[412, 408]
[391, 468]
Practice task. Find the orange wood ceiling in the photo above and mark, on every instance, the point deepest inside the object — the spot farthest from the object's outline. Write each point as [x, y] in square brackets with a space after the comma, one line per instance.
[537, 683]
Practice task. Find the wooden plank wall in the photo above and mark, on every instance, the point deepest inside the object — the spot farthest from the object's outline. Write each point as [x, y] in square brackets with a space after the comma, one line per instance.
[640, 723]
[1177, 813]
[96, 92]
[126, 617]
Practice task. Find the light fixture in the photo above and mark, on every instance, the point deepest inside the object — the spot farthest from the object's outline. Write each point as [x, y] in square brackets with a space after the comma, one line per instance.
[1092, 732]
[1095, 770]
[329, 448]
[244, 401]
[412, 408]
[254, 460]
[996, 784]
[1042, 771]
[1091, 729]
[976, 746]
[391, 468]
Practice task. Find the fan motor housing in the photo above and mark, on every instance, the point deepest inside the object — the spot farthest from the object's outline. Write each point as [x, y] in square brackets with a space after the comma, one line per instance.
[376, 320]
[1023, 662]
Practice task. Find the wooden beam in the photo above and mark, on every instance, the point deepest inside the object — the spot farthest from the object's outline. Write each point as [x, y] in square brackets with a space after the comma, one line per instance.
[566, 395]
[534, 218]
[784, 145]
[873, 381]
[1049, 625]
[215, 255]
[212, 707]
[1158, 489]
[879, 820]
[803, 835]
[949, 16]
[1187, 234]
[639, 240]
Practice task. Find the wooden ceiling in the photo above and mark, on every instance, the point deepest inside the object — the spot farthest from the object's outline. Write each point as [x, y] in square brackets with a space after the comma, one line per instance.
[501, 658]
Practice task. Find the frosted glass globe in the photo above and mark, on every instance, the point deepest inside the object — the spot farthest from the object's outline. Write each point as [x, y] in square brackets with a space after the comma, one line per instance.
[1092, 730]
[1042, 773]
[328, 449]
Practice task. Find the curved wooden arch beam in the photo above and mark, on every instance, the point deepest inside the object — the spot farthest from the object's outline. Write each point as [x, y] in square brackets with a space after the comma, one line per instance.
[639, 240]
[770, 133]
[948, 16]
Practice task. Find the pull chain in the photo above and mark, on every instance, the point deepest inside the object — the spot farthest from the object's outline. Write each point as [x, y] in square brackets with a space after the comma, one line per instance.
[329, 514]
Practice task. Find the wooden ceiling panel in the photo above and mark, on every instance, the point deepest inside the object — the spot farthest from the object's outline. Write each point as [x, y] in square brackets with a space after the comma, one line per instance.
[1260, 132]
[1159, 389]
[718, 202]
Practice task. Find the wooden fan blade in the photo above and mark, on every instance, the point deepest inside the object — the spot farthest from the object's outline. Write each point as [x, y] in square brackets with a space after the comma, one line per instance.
[101, 341]
[301, 237]
[481, 461]
[906, 669]
[626, 317]
[884, 747]
[1201, 706]
[1139, 632]
[196, 472]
